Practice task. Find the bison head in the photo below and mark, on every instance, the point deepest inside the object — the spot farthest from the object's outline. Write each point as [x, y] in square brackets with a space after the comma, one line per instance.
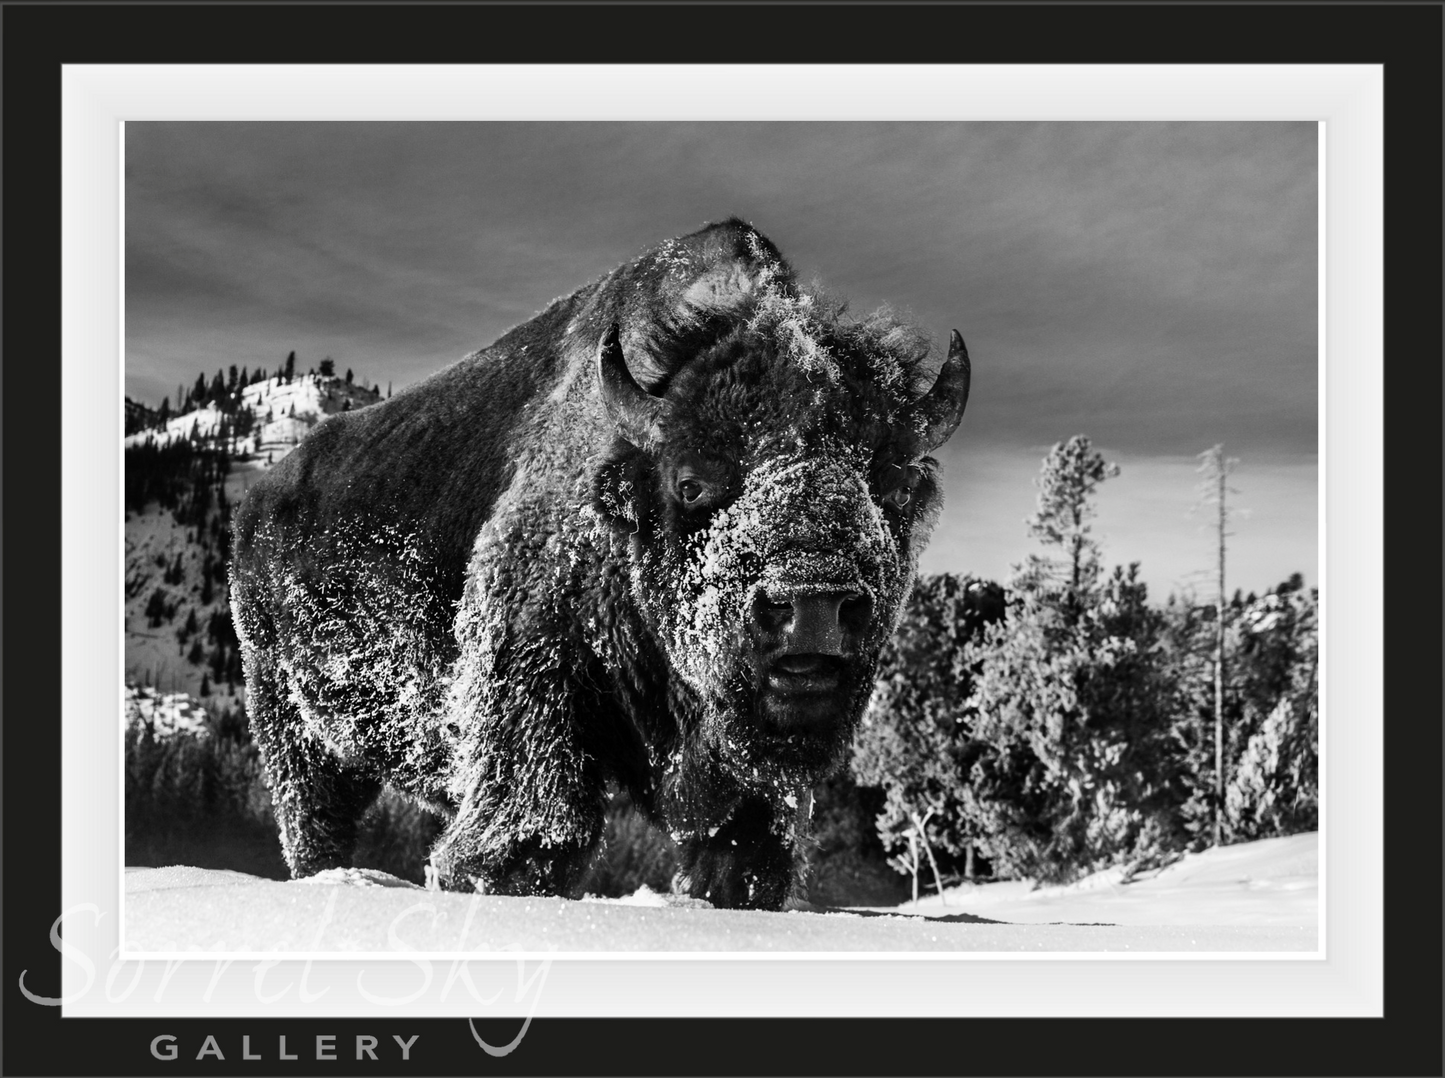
[776, 490]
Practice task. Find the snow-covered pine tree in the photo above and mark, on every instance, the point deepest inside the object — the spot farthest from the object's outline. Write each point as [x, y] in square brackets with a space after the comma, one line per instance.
[915, 741]
[1273, 753]
[1071, 699]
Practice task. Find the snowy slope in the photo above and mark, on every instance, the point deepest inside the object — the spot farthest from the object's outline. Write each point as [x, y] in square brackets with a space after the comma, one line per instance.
[165, 714]
[284, 412]
[201, 423]
[156, 655]
[1239, 899]
[1274, 881]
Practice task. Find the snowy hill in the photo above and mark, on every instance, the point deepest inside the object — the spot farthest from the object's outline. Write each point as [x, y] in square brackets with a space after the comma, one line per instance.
[164, 714]
[138, 416]
[1210, 902]
[170, 643]
[282, 412]
[178, 633]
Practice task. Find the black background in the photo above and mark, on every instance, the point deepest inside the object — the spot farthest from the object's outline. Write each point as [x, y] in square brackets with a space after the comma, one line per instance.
[1405, 38]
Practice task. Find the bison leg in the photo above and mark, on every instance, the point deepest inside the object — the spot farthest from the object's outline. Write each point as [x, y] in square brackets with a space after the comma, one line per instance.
[743, 864]
[529, 838]
[317, 800]
[533, 799]
[318, 811]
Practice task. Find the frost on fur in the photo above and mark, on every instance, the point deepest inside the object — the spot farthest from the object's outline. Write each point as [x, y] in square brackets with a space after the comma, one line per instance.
[480, 593]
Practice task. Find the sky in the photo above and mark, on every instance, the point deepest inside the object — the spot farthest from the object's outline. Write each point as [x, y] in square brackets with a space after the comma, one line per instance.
[1151, 285]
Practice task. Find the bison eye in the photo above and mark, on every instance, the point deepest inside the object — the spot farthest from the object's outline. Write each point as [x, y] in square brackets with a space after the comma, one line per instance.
[899, 497]
[896, 486]
[698, 484]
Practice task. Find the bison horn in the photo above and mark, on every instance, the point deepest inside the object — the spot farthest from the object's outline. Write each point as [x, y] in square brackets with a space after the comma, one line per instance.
[937, 414]
[637, 413]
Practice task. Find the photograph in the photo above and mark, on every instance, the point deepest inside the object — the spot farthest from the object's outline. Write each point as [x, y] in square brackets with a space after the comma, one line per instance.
[850, 538]
[669, 538]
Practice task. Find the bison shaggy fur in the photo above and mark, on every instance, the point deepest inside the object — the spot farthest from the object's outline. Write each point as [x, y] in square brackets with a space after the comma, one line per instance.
[653, 539]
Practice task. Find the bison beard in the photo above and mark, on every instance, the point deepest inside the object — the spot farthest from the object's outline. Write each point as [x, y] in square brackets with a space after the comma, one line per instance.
[654, 538]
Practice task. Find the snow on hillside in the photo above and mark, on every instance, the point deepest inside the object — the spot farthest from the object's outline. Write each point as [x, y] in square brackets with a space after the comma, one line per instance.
[1274, 881]
[163, 555]
[284, 411]
[201, 423]
[1247, 898]
[158, 655]
[165, 714]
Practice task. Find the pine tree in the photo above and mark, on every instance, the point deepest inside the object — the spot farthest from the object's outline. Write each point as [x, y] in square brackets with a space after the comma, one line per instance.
[1071, 474]
[1273, 784]
[916, 739]
[328, 367]
[348, 376]
[1271, 716]
[290, 367]
[1072, 699]
[155, 610]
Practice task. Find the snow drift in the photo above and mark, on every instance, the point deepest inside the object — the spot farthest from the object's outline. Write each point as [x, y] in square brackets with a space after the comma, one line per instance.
[1259, 897]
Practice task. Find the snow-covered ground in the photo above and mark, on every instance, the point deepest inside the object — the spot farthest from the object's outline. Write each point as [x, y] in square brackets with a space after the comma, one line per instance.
[1274, 881]
[1257, 897]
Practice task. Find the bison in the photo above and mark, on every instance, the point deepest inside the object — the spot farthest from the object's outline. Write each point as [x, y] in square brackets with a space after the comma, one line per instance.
[652, 539]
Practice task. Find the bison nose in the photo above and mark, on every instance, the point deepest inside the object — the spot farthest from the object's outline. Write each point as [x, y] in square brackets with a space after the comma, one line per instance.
[816, 624]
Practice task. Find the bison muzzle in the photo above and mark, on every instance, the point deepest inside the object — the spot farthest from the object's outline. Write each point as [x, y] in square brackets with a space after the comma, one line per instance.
[652, 539]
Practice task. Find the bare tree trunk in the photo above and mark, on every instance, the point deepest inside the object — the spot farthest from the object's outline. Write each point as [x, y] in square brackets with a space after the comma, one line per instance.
[913, 853]
[928, 849]
[1219, 680]
[968, 870]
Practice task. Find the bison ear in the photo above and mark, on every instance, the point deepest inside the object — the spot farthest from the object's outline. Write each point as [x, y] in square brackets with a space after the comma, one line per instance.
[674, 300]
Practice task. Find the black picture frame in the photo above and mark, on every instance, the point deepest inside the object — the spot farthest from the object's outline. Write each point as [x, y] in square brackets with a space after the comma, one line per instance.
[1405, 38]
